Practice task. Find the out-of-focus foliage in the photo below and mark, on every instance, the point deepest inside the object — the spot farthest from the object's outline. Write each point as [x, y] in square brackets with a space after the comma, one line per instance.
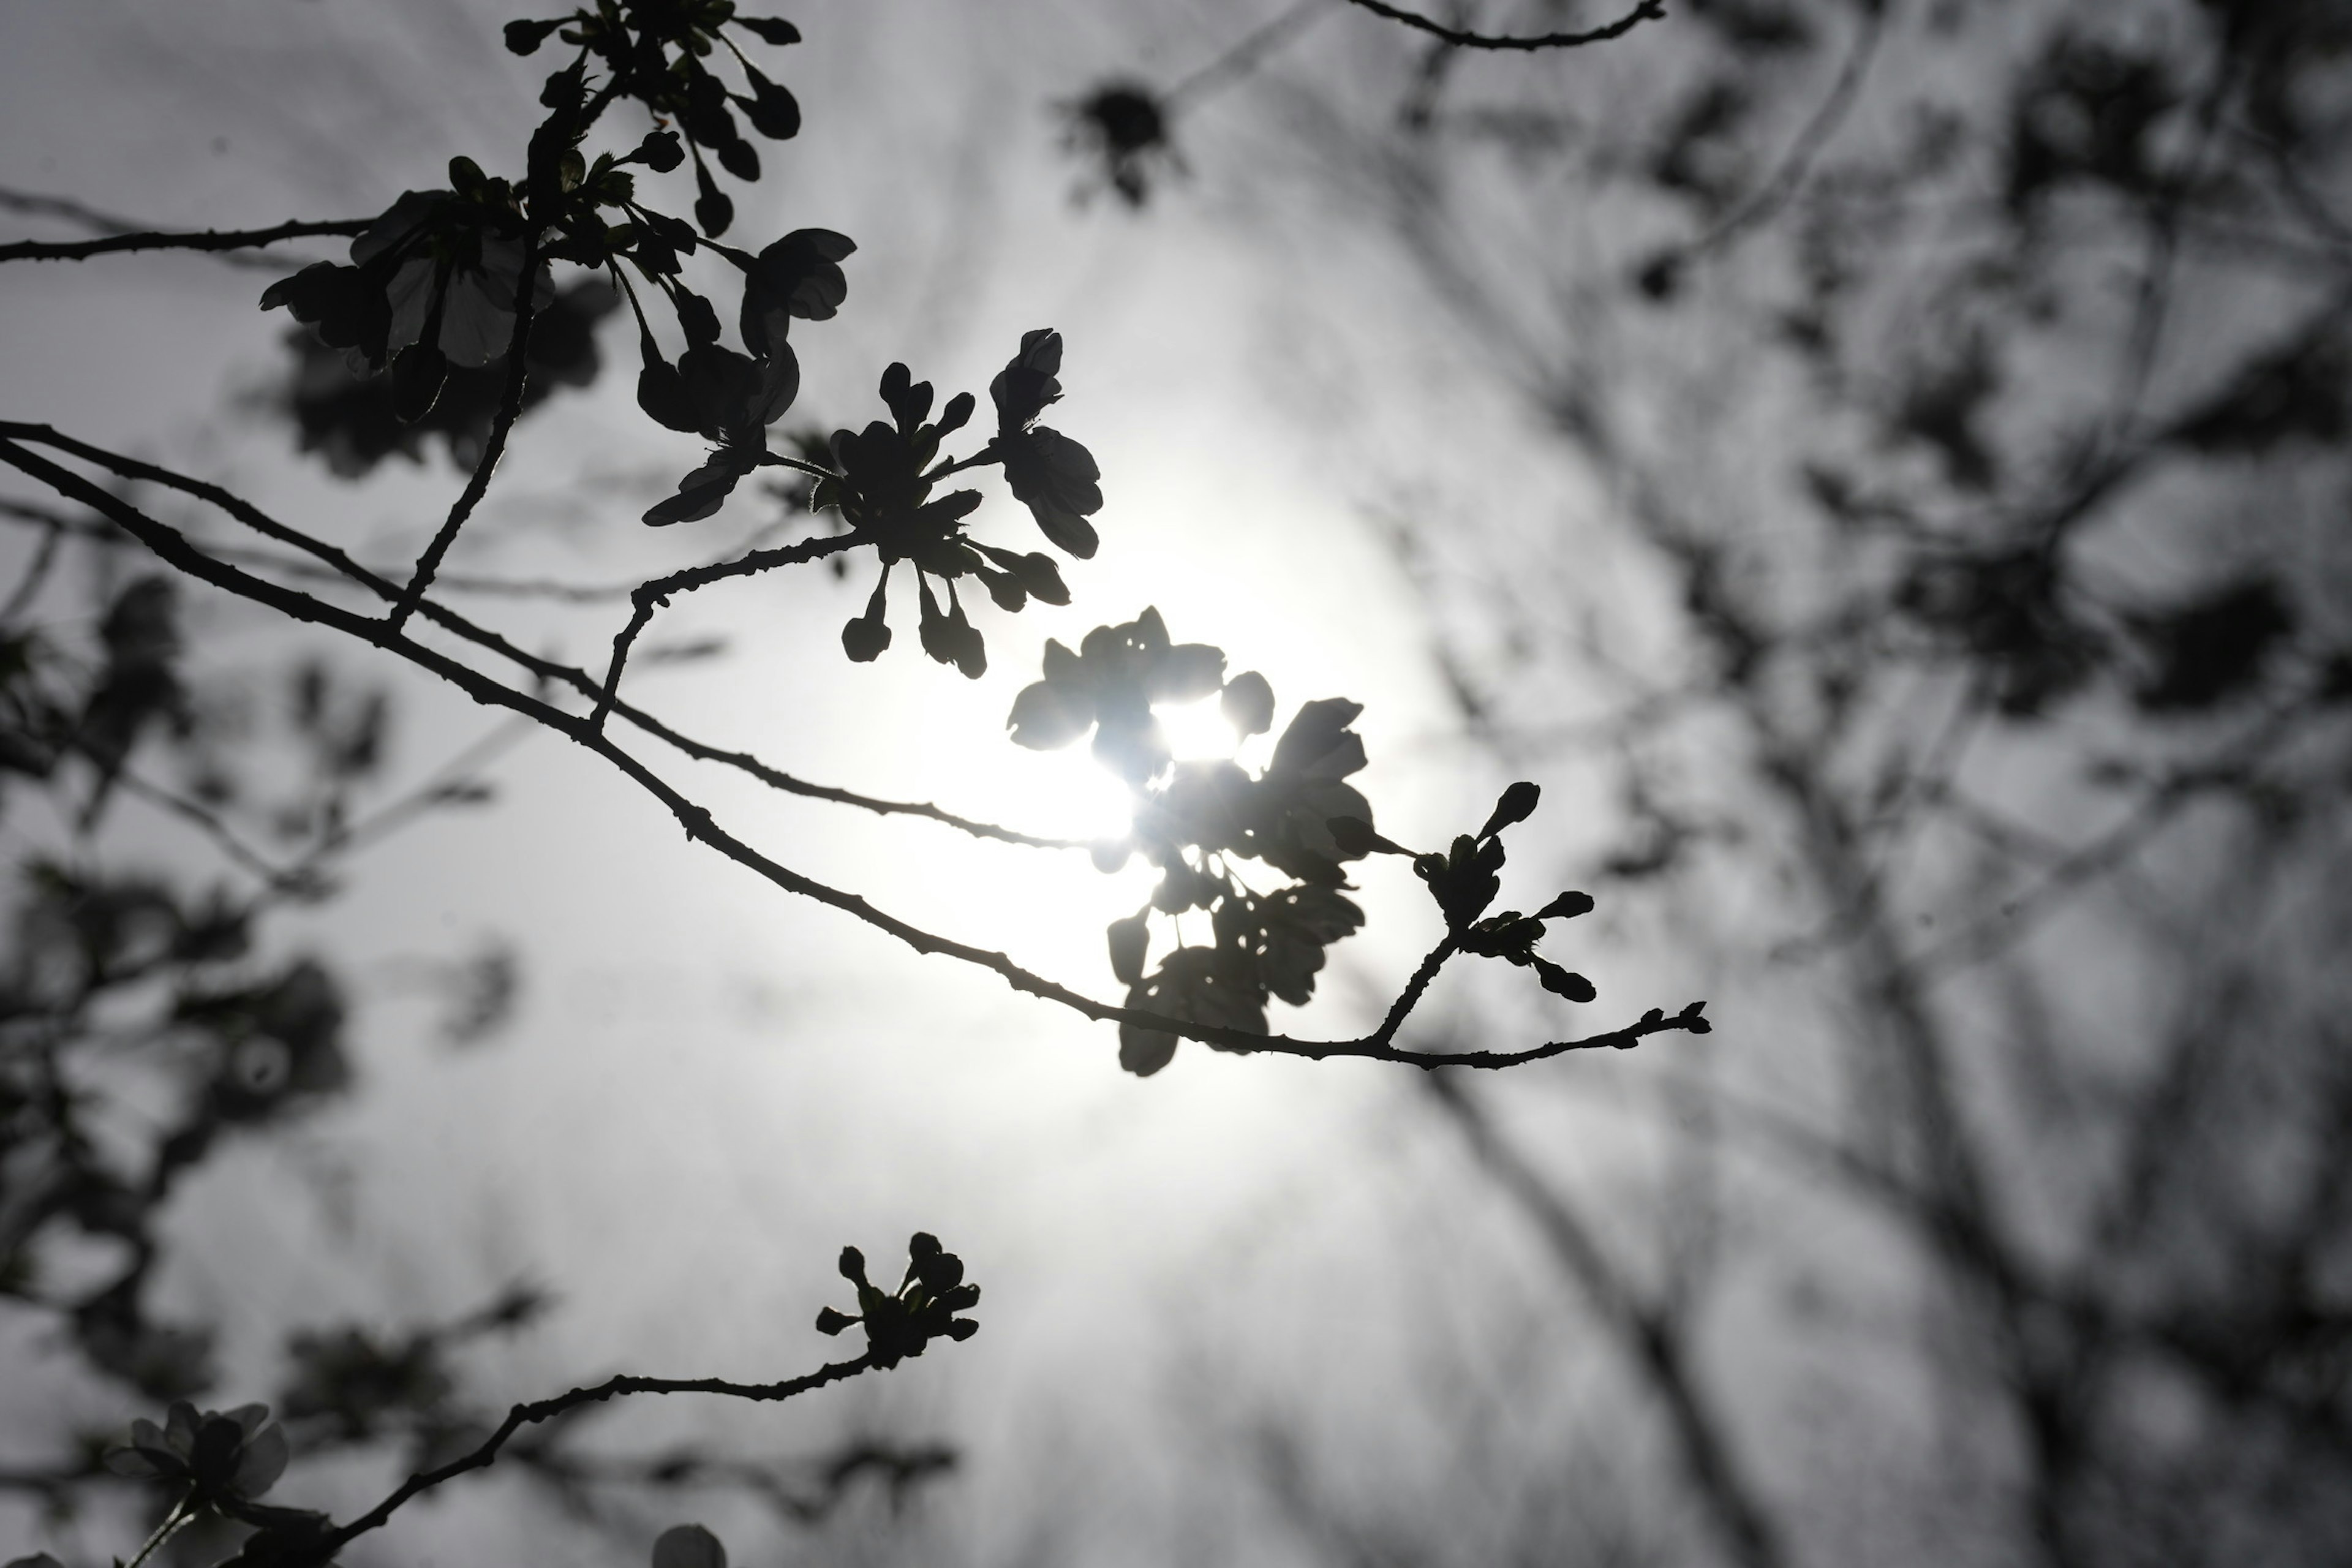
[1122, 127]
[350, 421]
[1951, 407]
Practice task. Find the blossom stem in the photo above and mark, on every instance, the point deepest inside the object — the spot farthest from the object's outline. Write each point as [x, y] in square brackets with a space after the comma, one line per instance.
[981, 459]
[778, 460]
[208, 239]
[509, 409]
[174, 1522]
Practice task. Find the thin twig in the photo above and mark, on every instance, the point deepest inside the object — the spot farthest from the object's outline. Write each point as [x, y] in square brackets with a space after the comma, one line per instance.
[434, 792]
[1647, 11]
[183, 1512]
[578, 679]
[509, 410]
[213, 827]
[648, 595]
[523, 1415]
[447, 581]
[28, 587]
[1411, 995]
[201, 239]
[1242, 56]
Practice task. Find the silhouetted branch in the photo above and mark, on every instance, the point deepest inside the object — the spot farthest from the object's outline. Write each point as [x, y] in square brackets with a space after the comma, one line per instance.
[509, 410]
[1648, 10]
[522, 1415]
[650, 596]
[446, 582]
[345, 569]
[1410, 997]
[1376, 1046]
[204, 239]
[744, 762]
[228, 501]
[176, 551]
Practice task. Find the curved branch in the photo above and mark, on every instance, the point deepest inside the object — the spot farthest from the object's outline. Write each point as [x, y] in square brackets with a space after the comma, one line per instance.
[1410, 997]
[1377, 1045]
[648, 595]
[1646, 11]
[489, 586]
[523, 1415]
[699, 825]
[236, 506]
[201, 239]
[744, 762]
[347, 570]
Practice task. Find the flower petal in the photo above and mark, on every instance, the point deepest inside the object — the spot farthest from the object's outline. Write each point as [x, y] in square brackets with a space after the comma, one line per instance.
[264, 1461]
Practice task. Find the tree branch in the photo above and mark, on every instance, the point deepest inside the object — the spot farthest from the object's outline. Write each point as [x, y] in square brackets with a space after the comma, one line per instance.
[1411, 995]
[658, 592]
[347, 570]
[509, 410]
[523, 1415]
[175, 549]
[1648, 10]
[201, 239]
